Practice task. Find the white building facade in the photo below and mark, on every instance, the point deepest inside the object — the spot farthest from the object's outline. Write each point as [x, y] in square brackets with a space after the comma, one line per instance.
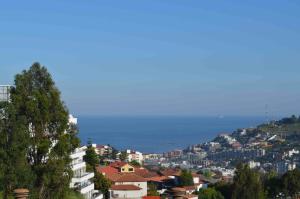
[82, 181]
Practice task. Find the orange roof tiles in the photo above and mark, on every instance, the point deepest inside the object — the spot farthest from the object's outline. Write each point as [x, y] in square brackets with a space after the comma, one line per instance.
[151, 197]
[158, 178]
[107, 170]
[125, 187]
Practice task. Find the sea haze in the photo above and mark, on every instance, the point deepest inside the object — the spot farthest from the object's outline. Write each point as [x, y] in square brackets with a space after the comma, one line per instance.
[158, 134]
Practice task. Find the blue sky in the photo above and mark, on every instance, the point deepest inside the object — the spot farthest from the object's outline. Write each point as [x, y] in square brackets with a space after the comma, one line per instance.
[170, 57]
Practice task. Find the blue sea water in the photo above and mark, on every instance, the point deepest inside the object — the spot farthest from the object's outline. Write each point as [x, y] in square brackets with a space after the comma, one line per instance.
[158, 134]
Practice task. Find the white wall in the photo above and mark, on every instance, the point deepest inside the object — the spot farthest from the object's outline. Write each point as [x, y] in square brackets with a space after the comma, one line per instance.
[142, 185]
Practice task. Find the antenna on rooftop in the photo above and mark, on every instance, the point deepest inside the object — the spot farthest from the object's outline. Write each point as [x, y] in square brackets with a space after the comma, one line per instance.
[267, 113]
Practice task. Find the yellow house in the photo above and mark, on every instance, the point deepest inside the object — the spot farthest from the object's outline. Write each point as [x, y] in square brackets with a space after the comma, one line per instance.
[127, 168]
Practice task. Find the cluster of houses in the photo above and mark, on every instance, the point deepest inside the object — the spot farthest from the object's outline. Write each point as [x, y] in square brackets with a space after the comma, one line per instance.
[129, 181]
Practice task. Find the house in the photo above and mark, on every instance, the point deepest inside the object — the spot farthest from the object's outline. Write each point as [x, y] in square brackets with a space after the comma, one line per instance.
[127, 185]
[103, 150]
[179, 193]
[134, 156]
[125, 191]
[123, 167]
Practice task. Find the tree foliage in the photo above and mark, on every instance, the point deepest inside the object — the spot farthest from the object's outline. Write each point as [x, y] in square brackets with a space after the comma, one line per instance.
[102, 184]
[91, 158]
[291, 183]
[37, 137]
[247, 184]
[135, 163]
[152, 190]
[209, 193]
[123, 156]
[186, 178]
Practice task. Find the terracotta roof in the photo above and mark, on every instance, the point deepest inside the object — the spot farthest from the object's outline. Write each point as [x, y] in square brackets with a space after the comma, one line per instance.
[107, 170]
[151, 197]
[190, 196]
[179, 189]
[145, 173]
[125, 177]
[158, 178]
[170, 172]
[117, 164]
[189, 188]
[130, 177]
[125, 187]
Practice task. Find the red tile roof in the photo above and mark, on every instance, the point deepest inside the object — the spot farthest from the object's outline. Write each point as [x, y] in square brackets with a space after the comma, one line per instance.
[125, 177]
[151, 197]
[130, 177]
[145, 173]
[107, 170]
[117, 164]
[190, 188]
[158, 178]
[125, 187]
[170, 172]
[190, 196]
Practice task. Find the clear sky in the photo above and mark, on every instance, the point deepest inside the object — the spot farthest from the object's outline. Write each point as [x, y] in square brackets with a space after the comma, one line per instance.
[159, 57]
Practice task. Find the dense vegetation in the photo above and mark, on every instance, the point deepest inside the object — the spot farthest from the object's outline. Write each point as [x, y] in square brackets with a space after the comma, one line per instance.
[35, 137]
[250, 184]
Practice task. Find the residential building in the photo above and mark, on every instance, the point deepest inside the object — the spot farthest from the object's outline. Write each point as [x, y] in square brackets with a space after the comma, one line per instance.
[82, 181]
[284, 166]
[134, 156]
[5, 93]
[103, 150]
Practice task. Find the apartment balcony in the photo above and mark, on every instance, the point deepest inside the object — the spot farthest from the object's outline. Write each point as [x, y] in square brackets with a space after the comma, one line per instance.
[97, 195]
[86, 188]
[77, 153]
[77, 166]
[82, 178]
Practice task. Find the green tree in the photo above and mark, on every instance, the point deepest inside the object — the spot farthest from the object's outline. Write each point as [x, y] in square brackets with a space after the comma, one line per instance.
[209, 193]
[272, 184]
[291, 183]
[224, 188]
[123, 156]
[91, 158]
[102, 184]
[135, 163]
[247, 184]
[41, 129]
[152, 190]
[186, 178]
[14, 168]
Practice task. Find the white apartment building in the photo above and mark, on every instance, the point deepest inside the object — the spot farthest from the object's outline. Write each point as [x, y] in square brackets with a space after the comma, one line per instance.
[4, 93]
[134, 155]
[82, 181]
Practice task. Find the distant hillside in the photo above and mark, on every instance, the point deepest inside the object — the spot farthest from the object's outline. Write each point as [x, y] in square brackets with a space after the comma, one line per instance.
[289, 125]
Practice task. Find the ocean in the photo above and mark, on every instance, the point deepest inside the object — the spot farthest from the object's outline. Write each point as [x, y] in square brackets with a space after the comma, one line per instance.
[158, 134]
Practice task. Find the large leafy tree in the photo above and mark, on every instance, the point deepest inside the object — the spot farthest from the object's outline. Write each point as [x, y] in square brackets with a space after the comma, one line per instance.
[15, 171]
[44, 136]
[101, 183]
[209, 193]
[186, 178]
[291, 183]
[247, 184]
[91, 158]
